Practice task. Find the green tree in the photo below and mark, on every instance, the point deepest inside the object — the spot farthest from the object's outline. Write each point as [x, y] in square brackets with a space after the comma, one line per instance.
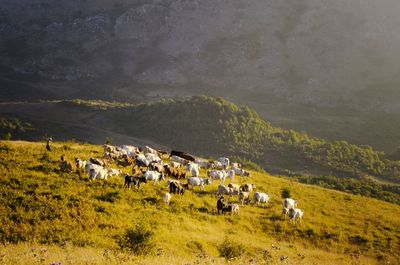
[7, 136]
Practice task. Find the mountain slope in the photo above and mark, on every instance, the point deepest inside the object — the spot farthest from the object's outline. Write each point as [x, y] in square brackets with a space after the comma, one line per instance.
[41, 205]
[214, 127]
[311, 57]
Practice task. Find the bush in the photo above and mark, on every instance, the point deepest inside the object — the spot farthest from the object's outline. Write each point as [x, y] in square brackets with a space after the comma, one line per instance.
[285, 193]
[231, 250]
[7, 136]
[138, 240]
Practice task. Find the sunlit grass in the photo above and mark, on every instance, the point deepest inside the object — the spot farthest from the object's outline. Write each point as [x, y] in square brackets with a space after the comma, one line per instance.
[80, 221]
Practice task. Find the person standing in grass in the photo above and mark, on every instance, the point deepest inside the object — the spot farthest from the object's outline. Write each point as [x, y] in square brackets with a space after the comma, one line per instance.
[49, 141]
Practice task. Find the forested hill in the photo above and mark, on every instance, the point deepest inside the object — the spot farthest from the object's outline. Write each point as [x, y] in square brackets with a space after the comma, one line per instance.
[210, 126]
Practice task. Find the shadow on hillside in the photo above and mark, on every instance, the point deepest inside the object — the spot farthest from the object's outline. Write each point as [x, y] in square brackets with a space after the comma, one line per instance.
[109, 197]
[203, 210]
[151, 200]
[202, 193]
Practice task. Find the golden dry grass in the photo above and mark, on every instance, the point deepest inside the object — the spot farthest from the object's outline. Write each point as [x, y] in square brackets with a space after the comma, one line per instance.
[80, 222]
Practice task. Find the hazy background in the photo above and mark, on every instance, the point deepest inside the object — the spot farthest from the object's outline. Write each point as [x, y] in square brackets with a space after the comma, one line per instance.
[330, 68]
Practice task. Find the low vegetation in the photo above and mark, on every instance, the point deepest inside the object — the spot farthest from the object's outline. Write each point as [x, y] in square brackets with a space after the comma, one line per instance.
[100, 221]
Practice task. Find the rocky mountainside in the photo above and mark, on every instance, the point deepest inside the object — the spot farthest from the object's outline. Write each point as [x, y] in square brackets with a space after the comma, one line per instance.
[314, 53]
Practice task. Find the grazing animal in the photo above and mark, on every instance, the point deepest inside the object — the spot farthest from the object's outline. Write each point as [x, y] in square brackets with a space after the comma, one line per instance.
[90, 166]
[188, 157]
[137, 171]
[153, 158]
[203, 164]
[162, 153]
[221, 204]
[98, 173]
[125, 161]
[179, 160]
[244, 197]
[231, 208]
[224, 190]
[178, 174]
[217, 165]
[80, 163]
[196, 181]
[295, 214]
[183, 155]
[167, 198]
[176, 153]
[159, 167]
[141, 161]
[129, 181]
[247, 187]
[174, 164]
[236, 165]
[195, 172]
[241, 172]
[116, 152]
[246, 174]
[149, 150]
[285, 211]
[113, 172]
[235, 187]
[289, 203]
[235, 208]
[231, 174]
[224, 161]
[130, 150]
[153, 176]
[139, 180]
[109, 148]
[177, 187]
[97, 161]
[168, 170]
[217, 175]
[190, 166]
[260, 197]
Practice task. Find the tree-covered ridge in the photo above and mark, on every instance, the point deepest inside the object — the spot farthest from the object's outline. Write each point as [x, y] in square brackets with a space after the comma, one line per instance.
[214, 126]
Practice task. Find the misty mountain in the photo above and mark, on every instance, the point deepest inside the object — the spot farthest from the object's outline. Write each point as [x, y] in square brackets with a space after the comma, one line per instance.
[291, 60]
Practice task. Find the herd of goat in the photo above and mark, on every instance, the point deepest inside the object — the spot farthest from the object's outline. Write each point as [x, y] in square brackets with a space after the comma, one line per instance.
[147, 165]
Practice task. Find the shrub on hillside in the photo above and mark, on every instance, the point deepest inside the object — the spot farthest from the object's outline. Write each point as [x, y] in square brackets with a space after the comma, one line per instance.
[138, 240]
[230, 249]
[285, 193]
[108, 141]
[7, 136]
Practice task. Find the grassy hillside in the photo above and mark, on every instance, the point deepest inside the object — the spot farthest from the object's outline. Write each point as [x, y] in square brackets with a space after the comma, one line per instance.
[77, 221]
[211, 127]
[214, 127]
